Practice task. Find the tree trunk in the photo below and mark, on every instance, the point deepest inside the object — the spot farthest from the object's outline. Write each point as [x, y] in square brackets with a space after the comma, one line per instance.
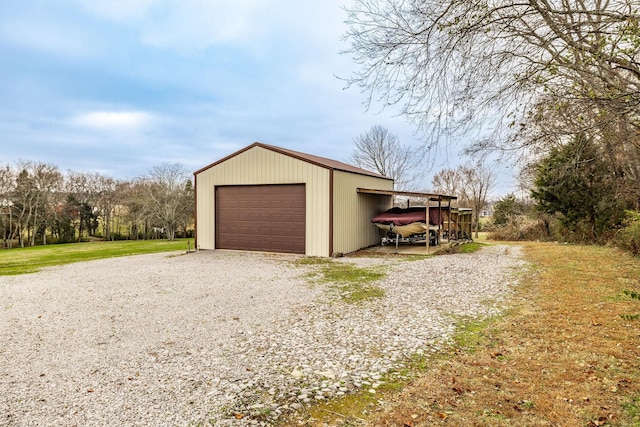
[477, 222]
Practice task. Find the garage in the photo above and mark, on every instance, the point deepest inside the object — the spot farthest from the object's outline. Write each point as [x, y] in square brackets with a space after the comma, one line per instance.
[273, 199]
[267, 218]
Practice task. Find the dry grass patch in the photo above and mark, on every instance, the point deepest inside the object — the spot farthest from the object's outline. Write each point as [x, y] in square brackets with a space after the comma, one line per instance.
[566, 354]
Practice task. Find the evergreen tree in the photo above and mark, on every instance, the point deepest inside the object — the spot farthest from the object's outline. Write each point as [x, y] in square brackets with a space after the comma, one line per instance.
[576, 182]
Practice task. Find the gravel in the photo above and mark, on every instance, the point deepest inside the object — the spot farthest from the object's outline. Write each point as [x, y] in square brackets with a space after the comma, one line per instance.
[221, 338]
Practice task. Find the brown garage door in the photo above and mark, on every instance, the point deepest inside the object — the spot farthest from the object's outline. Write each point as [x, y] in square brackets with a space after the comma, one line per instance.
[267, 218]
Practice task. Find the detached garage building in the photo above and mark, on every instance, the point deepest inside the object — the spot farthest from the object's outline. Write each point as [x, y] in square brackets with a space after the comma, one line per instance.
[266, 198]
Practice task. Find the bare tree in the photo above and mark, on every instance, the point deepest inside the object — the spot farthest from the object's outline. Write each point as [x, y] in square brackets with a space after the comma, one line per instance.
[105, 202]
[379, 150]
[449, 181]
[90, 192]
[7, 178]
[36, 186]
[132, 197]
[478, 179]
[7, 182]
[48, 182]
[456, 64]
[169, 196]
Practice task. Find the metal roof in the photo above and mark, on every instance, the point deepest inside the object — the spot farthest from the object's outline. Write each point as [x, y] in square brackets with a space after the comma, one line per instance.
[309, 158]
[431, 196]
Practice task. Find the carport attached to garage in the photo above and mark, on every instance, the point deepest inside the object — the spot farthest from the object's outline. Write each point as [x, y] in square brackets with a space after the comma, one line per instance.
[266, 198]
[246, 214]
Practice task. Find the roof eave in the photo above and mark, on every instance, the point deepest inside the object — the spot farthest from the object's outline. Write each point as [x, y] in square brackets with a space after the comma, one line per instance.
[293, 154]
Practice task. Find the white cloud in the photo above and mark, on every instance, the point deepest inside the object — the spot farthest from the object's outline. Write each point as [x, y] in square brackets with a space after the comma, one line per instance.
[118, 10]
[186, 25]
[114, 120]
[198, 24]
[45, 37]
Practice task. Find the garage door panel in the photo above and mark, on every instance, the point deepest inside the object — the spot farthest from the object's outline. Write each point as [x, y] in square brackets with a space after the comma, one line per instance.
[261, 218]
[288, 218]
[287, 232]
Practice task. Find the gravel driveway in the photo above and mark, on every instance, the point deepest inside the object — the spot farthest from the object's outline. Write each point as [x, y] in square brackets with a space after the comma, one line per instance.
[194, 339]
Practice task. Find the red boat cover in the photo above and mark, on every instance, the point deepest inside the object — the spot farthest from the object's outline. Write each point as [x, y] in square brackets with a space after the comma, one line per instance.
[400, 216]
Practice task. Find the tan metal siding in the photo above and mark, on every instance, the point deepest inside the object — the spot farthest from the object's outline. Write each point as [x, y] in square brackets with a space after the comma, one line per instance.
[258, 166]
[352, 227]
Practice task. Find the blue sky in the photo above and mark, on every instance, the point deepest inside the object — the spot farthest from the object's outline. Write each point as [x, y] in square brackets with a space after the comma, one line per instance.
[118, 86]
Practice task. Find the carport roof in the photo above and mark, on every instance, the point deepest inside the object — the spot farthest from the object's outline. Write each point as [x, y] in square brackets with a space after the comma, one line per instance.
[309, 158]
[431, 196]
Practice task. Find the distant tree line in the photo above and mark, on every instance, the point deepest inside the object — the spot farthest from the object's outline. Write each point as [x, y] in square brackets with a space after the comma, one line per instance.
[39, 205]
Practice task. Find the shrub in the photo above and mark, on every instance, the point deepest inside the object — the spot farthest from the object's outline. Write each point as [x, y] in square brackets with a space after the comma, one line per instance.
[507, 208]
[628, 237]
[522, 227]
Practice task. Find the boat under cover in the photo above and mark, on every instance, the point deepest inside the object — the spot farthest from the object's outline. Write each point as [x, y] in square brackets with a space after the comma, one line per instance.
[404, 216]
[407, 221]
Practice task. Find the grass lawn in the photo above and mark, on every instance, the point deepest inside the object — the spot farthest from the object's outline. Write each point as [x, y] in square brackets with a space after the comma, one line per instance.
[567, 353]
[32, 259]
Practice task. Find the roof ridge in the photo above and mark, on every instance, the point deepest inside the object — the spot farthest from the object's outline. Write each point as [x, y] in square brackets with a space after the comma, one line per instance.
[321, 161]
[305, 157]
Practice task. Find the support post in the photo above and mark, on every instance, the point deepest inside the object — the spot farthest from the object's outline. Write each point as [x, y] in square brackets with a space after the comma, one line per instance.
[428, 230]
[439, 238]
[449, 222]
